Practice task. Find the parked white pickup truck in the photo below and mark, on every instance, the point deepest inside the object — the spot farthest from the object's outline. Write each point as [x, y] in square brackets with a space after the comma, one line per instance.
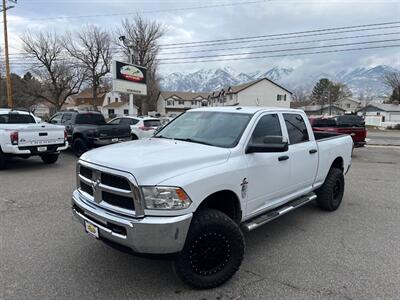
[206, 177]
[22, 136]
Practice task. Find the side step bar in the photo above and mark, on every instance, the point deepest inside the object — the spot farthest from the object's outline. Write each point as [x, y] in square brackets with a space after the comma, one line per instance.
[277, 212]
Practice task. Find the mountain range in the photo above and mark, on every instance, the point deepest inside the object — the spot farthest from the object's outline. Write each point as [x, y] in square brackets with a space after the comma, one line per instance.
[362, 81]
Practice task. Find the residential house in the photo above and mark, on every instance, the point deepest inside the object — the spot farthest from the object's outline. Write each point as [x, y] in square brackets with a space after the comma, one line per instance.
[322, 110]
[177, 102]
[381, 114]
[114, 106]
[349, 104]
[84, 100]
[260, 92]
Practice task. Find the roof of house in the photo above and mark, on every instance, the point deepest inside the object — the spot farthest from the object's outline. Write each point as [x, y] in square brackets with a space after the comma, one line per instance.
[86, 98]
[238, 88]
[383, 107]
[319, 107]
[116, 104]
[184, 95]
[297, 104]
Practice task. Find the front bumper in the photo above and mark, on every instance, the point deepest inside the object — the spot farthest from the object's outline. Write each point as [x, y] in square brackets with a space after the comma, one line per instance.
[150, 235]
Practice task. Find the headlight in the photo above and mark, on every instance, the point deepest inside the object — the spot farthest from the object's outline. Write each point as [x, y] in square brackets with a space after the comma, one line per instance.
[162, 197]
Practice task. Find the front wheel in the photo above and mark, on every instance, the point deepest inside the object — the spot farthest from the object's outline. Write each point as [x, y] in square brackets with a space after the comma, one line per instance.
[330, 194]
[213, 251]
[50, 158]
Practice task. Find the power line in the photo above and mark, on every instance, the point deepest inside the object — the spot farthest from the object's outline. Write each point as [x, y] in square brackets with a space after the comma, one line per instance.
[282, 50]
[280, 34]
[287, 43]
[283, 36]
[284, 55]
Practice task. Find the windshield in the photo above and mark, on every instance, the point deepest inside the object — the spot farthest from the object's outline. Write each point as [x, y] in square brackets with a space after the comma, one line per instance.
[15, 118]
[219, 129]
[92, 119]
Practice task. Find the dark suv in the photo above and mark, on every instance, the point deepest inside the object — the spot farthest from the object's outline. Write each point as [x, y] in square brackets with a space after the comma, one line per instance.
[89, 129]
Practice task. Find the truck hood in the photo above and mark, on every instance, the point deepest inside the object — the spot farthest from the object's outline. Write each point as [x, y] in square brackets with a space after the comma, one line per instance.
[154, 160]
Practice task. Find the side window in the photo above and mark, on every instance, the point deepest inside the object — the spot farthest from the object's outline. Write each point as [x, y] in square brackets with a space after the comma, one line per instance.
[134, 121]
[115, 121]
[296, 128]
[56, 119]
[66, 119]
[125, 121]
[268, 125]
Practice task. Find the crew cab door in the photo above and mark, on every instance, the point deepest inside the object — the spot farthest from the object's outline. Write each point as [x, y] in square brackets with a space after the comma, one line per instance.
[267, 172]
[303, 154]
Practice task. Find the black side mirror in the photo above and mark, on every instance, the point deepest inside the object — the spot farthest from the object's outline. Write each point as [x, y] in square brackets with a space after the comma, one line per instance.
[270, 144]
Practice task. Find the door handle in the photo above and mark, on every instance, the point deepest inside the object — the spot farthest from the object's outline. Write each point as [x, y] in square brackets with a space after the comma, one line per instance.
[282, 158]
[312, 151]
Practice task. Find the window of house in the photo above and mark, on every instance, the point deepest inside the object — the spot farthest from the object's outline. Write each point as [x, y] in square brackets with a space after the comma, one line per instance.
[204, 103]
[116, 99]
[347, 105]
[281, 97]
[296, 128]
[284, 97]
[170, 103]
[268, 125]
[230, 96]
[126, 111]
[181, 102]
[111, 111]
[109, 100]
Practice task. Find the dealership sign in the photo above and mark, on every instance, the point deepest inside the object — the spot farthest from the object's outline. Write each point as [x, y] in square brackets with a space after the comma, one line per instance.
[129, 78]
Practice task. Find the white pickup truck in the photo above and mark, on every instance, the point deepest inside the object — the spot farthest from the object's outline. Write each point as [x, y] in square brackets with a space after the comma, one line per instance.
[209, 175]
[21, 136]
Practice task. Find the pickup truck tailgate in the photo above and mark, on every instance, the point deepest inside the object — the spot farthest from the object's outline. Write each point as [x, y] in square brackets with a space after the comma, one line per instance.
[38, 135]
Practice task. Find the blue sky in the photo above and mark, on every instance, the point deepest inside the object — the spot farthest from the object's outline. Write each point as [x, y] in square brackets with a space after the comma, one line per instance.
[194, 21]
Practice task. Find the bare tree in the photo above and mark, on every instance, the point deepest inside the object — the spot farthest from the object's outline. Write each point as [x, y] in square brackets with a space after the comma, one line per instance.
[300, 95]
[92, 48]
[392, 80]
[143, 40]
[59, 79]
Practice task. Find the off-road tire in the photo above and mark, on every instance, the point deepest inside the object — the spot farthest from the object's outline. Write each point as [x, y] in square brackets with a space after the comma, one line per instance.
[330, 194]
[213, 250]
[3, 161]
[79, 147]
[49, 158]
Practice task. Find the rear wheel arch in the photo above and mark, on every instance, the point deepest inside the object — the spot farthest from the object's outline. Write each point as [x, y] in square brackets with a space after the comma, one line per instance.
[338, 163]
[225, 201]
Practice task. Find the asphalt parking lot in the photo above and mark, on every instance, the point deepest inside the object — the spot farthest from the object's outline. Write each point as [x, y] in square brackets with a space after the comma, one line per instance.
[352, 253]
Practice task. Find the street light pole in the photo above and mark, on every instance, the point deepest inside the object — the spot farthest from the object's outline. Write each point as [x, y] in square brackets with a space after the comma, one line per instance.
[10, 101]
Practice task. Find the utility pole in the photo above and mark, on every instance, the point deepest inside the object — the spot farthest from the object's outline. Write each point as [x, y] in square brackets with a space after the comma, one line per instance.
[7, 60]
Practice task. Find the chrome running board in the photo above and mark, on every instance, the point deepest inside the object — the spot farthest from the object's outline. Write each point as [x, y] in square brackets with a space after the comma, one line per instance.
[277, 212]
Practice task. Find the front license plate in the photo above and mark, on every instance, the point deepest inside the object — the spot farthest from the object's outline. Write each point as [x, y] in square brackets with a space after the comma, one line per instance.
[115, 140]
[91, 229]
[41, 149]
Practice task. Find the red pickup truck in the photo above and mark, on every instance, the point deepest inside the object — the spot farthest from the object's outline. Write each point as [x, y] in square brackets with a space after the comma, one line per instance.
[347, 124]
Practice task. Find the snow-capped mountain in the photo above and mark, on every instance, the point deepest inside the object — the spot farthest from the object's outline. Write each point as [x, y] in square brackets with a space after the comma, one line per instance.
[367, 81]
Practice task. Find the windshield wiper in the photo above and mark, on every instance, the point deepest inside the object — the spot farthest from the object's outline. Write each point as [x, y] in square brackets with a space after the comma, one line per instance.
[193, 141]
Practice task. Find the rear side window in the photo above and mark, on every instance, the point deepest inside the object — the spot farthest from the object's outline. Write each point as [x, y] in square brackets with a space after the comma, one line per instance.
[125, 121]
[134, 121]
[91, 119]
[152, 123]
[296, 128]
[268, 125]
[16, 119]
[115, 121]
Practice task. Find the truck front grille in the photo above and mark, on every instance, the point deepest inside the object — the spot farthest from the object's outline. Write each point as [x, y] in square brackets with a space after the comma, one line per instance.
[114, 192]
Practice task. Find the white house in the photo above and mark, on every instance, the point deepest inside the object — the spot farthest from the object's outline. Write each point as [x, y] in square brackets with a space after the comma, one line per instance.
[381, 114]
[178, 102]
[261, 92]
[348, 104]
[113, 106]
